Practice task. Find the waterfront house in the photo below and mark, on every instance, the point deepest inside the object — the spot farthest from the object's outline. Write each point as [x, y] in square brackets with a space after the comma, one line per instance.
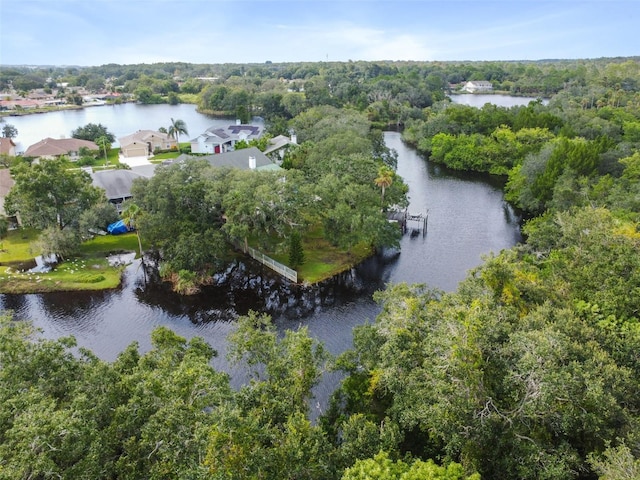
[144, 142]
[220, 140]
[50, 148]
[477, 86]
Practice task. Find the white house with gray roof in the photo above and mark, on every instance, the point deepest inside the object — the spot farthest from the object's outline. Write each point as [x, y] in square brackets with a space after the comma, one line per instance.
[220, 140]
[476, 86]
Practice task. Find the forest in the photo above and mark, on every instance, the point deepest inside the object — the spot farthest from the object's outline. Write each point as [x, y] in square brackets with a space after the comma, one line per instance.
[529, 370]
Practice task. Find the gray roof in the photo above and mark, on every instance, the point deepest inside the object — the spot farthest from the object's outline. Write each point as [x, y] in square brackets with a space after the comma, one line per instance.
[115, 183]
[277, 143]
[238, 159]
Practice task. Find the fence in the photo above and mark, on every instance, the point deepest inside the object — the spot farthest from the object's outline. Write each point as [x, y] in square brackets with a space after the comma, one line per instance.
[269, 262]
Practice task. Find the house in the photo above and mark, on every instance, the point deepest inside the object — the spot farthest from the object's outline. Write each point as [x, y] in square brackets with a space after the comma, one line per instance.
[54, 148]
[220, 140]
[19, 104]
[476, 86]
[246, 159]
[116, 184]
[7, 147]
[144, 142]
[278, 146]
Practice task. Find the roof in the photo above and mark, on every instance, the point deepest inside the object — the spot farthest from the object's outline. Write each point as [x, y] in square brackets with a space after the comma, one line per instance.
[238, 159]
[115, 183]
[217, 134]
[52, 147]
[277, 143]
[6, 146]
[480, 83]
[142, 136]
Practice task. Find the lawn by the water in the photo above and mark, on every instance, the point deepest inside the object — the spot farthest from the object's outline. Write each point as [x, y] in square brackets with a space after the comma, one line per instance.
[90, 270]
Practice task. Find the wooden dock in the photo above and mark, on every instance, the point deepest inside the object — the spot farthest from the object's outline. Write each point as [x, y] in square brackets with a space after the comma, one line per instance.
[409, 222]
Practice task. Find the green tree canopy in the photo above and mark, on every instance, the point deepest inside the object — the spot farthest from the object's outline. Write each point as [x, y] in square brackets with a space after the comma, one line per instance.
[93, 132]
[49, 194]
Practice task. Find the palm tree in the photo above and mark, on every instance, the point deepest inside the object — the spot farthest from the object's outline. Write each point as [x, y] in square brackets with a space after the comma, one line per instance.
[129, 216]
[104, 143]
[177, 128]
[384, 180]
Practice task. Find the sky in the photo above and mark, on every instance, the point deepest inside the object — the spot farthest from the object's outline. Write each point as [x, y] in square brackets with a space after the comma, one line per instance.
[97, 32]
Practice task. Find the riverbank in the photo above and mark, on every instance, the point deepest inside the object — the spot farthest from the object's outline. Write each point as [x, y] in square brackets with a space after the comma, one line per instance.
[91, 269]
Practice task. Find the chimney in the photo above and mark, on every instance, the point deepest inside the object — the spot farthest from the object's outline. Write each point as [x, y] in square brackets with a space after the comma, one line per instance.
[252, 163]
[238, 122]
[294, 138]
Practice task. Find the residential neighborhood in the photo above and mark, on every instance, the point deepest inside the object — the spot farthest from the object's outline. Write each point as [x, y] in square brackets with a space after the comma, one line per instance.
[137, 150]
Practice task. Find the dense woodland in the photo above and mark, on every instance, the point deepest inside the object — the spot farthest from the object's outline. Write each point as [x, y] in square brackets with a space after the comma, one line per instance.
[529, 370]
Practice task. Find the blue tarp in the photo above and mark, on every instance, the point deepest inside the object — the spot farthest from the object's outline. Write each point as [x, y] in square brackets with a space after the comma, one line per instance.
[117, 228]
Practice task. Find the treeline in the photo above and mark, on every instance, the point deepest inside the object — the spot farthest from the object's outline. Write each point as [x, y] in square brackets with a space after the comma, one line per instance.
[389, 92]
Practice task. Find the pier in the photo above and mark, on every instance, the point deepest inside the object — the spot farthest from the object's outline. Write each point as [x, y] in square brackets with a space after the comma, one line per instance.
[410, 222]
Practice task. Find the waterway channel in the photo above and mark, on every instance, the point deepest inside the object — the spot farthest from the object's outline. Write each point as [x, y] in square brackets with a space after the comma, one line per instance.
[467, 218]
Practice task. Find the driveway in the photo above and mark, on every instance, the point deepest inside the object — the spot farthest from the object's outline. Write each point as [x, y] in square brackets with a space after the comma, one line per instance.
[134, 161]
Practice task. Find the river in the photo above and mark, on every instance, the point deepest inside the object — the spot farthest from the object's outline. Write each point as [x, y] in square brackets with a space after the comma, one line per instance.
[467, 218]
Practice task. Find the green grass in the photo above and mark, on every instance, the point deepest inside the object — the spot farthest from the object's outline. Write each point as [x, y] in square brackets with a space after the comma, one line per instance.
[322, 260]
[88, 271]
[16, 246]
[79, 274]
[169, 155]
[101, 244]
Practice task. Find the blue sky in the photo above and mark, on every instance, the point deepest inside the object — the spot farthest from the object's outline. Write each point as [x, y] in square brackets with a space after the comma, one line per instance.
[96, 32]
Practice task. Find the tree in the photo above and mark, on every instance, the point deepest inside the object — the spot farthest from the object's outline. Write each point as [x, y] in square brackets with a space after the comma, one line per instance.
[48, 194]
[384, 181]
[617, 463]
[130, 216]
[177, 128]
[93, 132]
[9, 131]
[105, 144]
[63, 243]
[296, 253]
[98, 217]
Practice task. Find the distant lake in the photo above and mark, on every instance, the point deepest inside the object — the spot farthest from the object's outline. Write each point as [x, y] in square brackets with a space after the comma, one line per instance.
[479, 99]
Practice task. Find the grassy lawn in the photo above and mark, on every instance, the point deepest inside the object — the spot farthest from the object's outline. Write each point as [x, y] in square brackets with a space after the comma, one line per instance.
[322, 260]
[89, 271]
[16, 246]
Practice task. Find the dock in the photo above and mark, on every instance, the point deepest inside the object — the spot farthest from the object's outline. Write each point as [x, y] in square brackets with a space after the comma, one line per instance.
[416, 223]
